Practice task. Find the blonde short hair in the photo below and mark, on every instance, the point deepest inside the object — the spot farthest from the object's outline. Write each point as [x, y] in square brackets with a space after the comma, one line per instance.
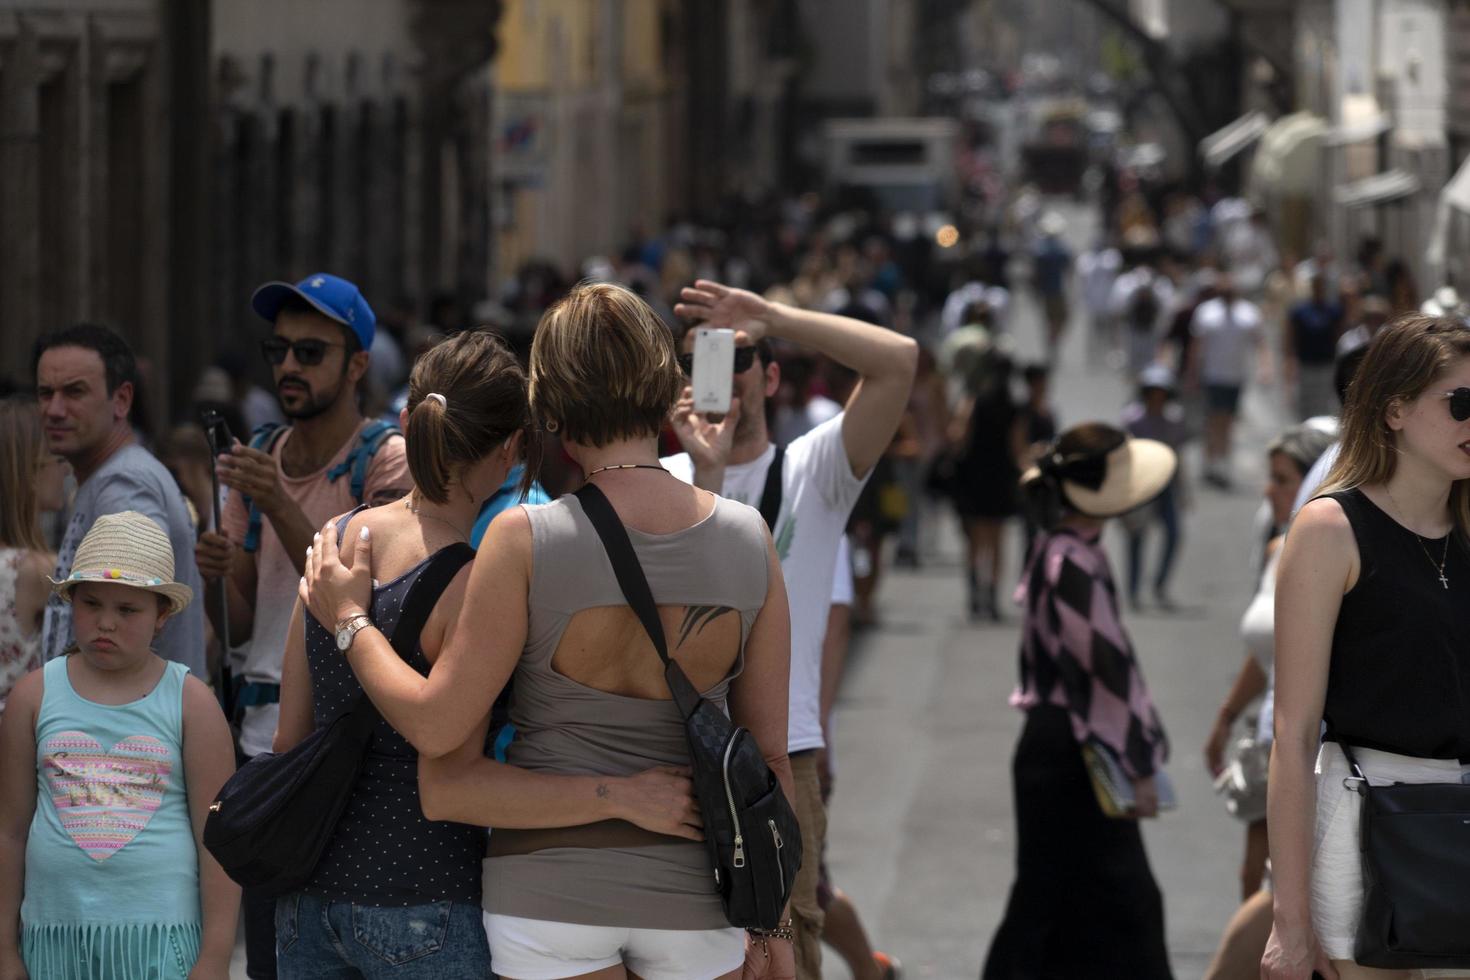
[603, 367]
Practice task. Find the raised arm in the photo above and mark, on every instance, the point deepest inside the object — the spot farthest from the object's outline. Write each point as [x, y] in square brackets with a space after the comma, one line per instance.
[435, 713]
[1318, 566]
[884, 360]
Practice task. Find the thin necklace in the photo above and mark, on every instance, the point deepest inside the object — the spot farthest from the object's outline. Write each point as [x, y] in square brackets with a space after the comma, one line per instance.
[419, 513]
[626, 466]
[1439, 567]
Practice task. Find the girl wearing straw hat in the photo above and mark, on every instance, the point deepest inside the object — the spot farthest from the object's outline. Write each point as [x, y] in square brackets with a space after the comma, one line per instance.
[1082, 875]
[109, 757]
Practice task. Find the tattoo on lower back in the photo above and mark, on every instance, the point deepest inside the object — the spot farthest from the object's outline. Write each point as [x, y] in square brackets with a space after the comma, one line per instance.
[602, 791]
[696, 618]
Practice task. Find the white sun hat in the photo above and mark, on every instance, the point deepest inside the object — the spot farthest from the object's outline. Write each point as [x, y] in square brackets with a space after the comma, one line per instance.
[127, 549]
[1112, 481]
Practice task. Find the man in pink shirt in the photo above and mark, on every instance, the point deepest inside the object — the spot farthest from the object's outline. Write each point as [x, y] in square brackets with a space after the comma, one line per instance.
[284, 485]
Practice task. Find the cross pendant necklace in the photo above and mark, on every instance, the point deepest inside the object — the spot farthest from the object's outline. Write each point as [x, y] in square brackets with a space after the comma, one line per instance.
[1444, 583]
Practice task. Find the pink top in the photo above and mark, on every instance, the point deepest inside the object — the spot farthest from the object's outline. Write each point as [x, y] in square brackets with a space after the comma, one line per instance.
[1075, 654]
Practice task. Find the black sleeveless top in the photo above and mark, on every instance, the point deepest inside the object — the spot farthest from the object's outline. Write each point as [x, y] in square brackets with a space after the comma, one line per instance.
[384, 852]
[1399, 679]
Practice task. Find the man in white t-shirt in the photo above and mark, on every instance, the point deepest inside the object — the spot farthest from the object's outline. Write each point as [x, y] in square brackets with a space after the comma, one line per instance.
[1227, 335]
[822, 473]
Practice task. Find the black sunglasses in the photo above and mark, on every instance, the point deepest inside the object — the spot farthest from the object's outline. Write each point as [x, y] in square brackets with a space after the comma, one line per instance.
[309, 352]
[744, 358]
[1459, 403]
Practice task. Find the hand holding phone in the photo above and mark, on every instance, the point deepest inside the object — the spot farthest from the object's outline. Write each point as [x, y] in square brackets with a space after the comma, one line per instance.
[713, 377]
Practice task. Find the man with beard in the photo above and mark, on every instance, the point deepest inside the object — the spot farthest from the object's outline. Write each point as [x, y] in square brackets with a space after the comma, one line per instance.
[806, 493]
[284, 486]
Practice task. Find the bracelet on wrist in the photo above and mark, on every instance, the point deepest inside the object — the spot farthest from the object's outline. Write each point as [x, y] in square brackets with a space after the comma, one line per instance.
[784, 930]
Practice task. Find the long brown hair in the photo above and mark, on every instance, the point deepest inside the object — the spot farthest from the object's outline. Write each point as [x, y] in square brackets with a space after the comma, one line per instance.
[22, 448]
[484, 403]
[1403, 360]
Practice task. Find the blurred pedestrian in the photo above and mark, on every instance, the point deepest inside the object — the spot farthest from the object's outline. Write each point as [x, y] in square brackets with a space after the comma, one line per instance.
[1371, 631]
[1227, 334]
[1040, 422]
[590, 891]
[84, 381]
[1098, 269]
[1156, 415]
[989, 436]
[1084, 902]
[1051, 264]
[104, 873]
[32, 480]
[1310, 347]
[1289, 458]
[283, 486]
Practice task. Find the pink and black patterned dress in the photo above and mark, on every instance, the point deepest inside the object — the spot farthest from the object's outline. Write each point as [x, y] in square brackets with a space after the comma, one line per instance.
[1084, 902]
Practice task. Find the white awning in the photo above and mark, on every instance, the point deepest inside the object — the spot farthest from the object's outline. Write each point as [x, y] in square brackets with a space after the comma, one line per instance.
[1220, 146]
[1453, 199]
[1360, 131]
[1391, 185]
[1288, 161]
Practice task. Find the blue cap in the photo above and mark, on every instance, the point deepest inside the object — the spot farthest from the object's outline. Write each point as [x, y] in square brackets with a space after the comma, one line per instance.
[332, 296]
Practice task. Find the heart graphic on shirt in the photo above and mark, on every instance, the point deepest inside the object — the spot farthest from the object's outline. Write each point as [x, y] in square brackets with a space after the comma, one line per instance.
[105, 799]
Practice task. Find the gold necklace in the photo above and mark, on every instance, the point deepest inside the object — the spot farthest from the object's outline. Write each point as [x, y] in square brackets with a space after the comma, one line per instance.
[1438, 567]
[413, 509]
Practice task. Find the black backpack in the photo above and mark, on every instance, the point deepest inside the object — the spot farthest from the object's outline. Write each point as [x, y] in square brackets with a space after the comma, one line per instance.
[275, 816]
[750, 829]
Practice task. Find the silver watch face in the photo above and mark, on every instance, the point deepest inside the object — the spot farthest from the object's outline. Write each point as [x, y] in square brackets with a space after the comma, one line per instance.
[344, 638]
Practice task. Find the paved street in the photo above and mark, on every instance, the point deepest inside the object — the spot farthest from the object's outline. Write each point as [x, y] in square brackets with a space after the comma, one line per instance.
[921, 829]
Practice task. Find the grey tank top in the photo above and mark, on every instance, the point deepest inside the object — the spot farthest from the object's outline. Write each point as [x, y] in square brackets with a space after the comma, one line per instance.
[566, 727]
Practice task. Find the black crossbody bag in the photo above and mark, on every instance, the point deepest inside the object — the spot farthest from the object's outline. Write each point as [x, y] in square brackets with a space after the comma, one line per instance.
[1415, 843]
[275, 816]
[750, 829]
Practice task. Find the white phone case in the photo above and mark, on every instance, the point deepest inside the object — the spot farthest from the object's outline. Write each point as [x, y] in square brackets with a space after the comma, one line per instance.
[713, 377]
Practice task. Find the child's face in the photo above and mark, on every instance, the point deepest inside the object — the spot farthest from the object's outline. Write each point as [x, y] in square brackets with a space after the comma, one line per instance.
[115, 623]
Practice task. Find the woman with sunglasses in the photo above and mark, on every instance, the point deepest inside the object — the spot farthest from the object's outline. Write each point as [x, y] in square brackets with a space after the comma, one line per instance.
[1372, 635]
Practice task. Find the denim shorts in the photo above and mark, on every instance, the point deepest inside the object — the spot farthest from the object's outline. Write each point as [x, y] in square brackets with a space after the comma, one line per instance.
[320, 939]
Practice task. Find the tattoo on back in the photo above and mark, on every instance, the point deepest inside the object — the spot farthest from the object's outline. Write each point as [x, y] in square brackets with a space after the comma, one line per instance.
[696, 618]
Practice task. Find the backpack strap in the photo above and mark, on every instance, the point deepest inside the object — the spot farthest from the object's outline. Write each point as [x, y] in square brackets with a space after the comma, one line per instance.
[770, 507]
[634, 584]
[369, 440]
[263, 438]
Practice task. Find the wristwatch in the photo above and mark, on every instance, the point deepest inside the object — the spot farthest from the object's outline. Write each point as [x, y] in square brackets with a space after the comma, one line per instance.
[348, 629]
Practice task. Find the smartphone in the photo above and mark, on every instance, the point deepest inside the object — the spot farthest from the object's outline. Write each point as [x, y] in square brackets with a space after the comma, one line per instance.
[713, 377]
[217, 431]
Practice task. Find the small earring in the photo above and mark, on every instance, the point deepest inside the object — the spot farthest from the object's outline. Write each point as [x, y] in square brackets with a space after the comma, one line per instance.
[552, 425]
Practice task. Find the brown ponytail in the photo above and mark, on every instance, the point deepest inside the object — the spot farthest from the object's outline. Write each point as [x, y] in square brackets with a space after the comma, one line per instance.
[484, 403]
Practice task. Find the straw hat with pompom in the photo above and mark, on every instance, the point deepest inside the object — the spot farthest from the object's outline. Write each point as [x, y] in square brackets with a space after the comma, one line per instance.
[127, 549]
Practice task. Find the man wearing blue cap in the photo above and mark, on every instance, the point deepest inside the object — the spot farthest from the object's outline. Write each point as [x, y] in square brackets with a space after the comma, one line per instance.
[284, 485]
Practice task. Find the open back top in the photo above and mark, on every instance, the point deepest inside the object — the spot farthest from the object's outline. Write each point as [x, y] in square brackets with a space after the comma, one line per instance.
[565, 726]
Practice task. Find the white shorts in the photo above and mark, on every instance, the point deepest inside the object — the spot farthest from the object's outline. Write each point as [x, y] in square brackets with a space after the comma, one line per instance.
[537, 949]
[1337, 869]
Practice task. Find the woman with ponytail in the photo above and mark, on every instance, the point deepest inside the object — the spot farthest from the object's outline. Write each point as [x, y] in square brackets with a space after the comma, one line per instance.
[397, 893]
[1084, 902]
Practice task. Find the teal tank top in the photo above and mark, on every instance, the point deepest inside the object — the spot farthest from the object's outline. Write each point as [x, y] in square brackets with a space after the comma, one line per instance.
[112, 876]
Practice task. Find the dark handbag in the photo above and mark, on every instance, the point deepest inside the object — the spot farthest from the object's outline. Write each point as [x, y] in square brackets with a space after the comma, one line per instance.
[1416, 874]
[275, 816]
[750, 829]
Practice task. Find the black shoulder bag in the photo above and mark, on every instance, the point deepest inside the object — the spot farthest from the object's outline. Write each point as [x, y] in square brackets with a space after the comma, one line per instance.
[275, 816]
[750, 829]
[1415, 842]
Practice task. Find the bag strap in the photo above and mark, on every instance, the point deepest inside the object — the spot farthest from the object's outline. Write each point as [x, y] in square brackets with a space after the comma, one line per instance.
[422, 596]
[770, 507]
[1352, 761]
[634, 584]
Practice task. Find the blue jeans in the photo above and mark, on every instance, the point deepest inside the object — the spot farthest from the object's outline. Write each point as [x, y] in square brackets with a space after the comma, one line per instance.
[1165, 510]
[318, 939]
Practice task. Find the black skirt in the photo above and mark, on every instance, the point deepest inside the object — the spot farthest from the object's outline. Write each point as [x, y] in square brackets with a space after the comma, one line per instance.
[1084, 904]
